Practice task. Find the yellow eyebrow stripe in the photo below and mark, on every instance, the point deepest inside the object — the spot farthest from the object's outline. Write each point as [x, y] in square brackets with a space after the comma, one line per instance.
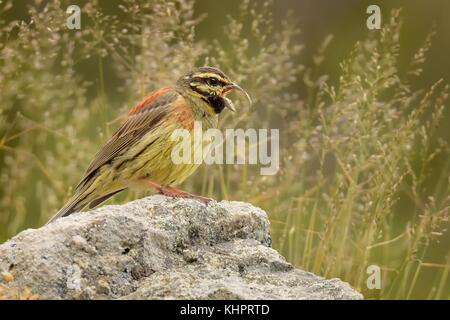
[211, 75]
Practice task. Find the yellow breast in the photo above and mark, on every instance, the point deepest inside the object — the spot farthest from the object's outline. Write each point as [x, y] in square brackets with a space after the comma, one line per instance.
[154, 155]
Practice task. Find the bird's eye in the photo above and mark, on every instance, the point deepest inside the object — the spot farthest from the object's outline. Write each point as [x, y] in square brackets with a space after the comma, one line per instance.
[213, 82]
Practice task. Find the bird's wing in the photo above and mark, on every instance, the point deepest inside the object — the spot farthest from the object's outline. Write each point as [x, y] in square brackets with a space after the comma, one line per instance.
[142, 118]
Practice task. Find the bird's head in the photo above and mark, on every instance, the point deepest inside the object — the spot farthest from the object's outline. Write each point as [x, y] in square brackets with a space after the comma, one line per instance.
[210, 85]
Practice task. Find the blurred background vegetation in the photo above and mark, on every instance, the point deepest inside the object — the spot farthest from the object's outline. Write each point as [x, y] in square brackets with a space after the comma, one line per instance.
[363, 118]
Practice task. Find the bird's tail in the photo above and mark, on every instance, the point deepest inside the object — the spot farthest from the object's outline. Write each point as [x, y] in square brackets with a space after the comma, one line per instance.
[75, 204]
[78, 202]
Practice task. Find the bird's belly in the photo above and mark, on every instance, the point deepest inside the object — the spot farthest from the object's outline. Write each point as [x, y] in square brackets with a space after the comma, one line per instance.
[153, 160]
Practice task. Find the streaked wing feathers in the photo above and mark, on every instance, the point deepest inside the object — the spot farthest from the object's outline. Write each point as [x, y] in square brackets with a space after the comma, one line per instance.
[141, 119]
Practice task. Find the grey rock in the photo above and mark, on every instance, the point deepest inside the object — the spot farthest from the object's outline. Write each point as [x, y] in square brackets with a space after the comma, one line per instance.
[161, 248]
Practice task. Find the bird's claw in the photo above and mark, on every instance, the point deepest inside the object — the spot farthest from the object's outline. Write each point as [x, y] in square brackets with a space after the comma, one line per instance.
[176, 193]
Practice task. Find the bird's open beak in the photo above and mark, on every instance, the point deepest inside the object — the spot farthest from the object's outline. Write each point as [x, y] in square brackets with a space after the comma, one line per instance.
[228, 103]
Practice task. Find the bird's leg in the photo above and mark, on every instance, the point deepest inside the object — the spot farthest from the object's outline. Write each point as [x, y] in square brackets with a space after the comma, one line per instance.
[174, 192]
[152, 184]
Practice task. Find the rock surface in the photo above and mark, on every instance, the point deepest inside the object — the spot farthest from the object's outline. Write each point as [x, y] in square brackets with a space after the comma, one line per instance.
[161, 248]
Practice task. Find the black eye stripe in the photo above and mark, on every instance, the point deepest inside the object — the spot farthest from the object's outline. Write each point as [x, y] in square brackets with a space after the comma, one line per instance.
[213, 81]
[208, 79]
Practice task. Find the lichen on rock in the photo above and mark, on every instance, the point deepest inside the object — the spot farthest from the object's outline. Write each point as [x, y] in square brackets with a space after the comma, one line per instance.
[161, 248]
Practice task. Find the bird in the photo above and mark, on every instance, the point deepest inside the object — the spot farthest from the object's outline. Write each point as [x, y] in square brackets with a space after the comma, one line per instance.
[139, 152]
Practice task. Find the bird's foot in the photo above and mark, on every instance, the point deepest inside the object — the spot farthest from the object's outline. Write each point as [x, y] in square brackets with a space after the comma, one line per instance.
[177, 193]
[174, 192]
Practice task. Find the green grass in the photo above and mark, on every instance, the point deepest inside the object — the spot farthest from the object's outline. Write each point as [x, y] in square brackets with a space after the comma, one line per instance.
[364, 175]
